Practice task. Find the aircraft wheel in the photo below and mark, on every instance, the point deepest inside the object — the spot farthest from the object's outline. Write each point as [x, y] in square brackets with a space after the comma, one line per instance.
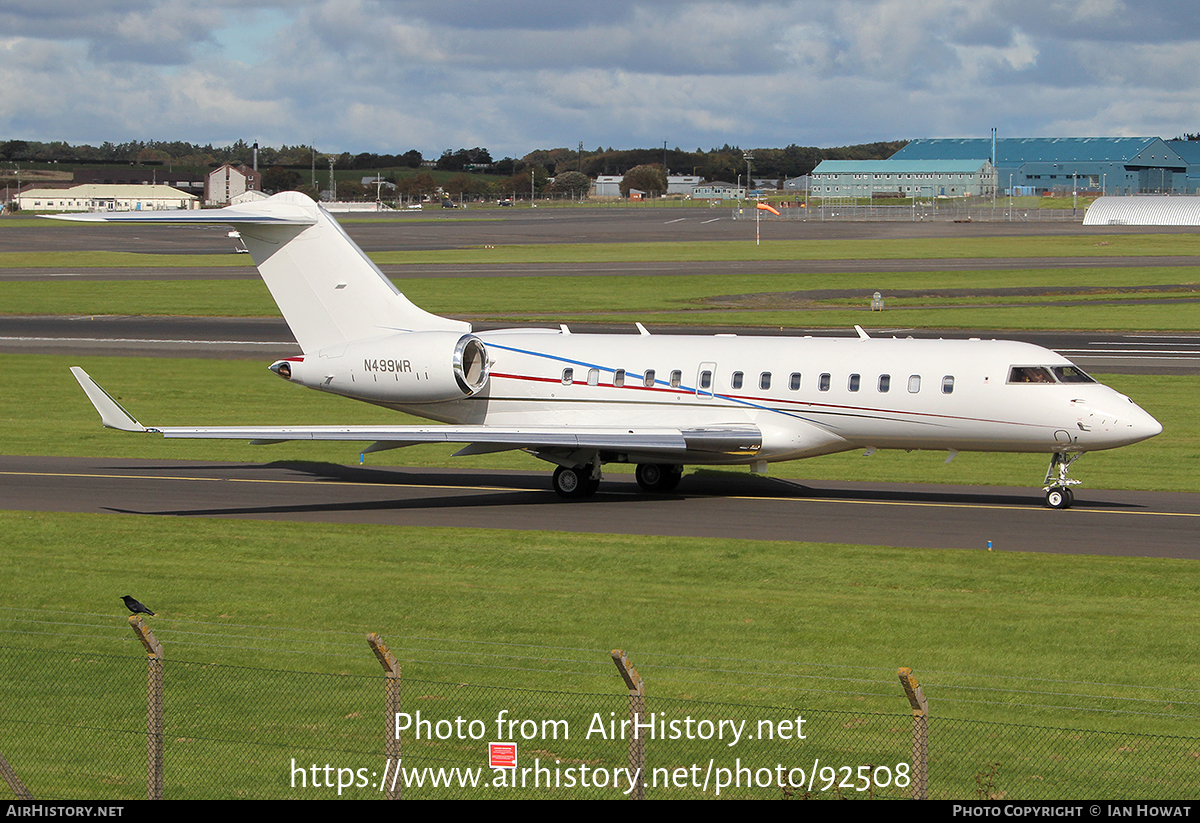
[650, 476]
[653, 477]
[671, 478]
[572, 484]
[1060, 498]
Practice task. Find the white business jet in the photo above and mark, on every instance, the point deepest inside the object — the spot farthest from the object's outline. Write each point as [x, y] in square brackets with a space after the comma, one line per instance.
[661, 402]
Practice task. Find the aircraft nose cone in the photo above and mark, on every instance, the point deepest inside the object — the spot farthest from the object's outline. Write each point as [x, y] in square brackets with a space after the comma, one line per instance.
[1135, 425]
[1147, 426]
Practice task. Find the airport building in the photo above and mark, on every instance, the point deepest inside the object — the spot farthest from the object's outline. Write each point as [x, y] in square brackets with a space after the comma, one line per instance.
[904, 178]
[609, 185]
[718, 190]
[1040, 165]
[99, 197]
[226, 182]
[1189, 150]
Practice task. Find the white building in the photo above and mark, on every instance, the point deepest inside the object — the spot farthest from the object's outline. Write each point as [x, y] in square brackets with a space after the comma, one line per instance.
[226, 182]
[101, 197]
[718, 190]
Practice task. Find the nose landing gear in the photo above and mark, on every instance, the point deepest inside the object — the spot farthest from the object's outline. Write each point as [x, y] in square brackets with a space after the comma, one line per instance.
[1058, 485]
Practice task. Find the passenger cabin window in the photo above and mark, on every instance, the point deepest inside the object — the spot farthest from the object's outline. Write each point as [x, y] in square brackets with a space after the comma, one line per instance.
[736, 380]
[885, 383]
[948, 384]
[854, 381]
[648, 378]
[1030, 374]
[764, 380]
[914, 383]
[568, 376]
[823, 382]
[619, 378]
[794, 381]
[676, 378]
[593, 377]
[706, 379]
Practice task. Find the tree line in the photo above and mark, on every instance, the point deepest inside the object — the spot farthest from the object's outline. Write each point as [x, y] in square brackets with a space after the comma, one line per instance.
[723, 163]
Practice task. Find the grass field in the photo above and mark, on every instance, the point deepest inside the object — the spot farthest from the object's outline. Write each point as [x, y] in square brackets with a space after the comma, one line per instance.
[1003, 643]
[1069, 642]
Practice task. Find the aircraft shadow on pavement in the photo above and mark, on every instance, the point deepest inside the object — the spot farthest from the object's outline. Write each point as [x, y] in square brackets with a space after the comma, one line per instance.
[517, 489]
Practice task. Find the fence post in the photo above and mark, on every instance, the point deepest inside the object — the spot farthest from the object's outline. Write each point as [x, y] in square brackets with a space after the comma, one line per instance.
[920, 734]
[391, 670]
[637, 710]
[154, 707]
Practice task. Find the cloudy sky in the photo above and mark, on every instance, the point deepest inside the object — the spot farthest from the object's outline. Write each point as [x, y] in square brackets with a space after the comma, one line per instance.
[374, 75]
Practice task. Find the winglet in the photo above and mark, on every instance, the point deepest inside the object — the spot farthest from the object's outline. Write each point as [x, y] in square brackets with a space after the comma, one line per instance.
[862, 335]
[111, 413]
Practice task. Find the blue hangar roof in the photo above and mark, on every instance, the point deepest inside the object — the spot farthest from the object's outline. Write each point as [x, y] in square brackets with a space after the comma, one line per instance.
[1015, 150]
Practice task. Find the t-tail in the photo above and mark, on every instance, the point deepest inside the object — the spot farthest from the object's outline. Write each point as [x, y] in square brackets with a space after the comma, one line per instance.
[329, 291]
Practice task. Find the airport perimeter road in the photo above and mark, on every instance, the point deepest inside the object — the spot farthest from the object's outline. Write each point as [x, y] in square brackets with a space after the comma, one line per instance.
[725, 504]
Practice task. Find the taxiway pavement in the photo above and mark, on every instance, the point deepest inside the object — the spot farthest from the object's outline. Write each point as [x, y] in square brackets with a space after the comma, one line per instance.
[707, 504]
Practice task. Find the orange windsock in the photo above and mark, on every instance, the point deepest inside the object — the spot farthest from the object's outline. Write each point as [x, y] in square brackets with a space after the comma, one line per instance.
[766, 207]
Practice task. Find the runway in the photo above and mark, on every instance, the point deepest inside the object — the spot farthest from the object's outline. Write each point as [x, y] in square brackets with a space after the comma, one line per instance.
[707, 504]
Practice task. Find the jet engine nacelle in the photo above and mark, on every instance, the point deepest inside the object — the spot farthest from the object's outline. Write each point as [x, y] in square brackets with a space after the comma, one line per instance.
[412, 367]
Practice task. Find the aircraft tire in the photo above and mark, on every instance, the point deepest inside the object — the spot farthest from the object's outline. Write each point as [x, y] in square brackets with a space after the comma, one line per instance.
[1059, 497]
[653, 477]
[574, 483]
[671, 478]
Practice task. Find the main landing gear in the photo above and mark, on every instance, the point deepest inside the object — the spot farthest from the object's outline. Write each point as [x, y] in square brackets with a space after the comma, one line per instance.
[578, 482]
[1058, 485]
[653, 477]
[575, 482]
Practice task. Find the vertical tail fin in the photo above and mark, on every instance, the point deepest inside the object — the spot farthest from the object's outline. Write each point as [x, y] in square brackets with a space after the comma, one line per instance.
[329, 291]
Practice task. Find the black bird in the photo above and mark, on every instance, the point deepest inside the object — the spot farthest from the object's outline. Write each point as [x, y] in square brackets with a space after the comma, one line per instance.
[136, 607]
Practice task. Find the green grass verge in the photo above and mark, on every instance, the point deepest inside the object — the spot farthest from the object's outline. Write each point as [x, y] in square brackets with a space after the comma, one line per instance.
[532, 616]
[49, 415]
[1116, 245]
[1076, 617]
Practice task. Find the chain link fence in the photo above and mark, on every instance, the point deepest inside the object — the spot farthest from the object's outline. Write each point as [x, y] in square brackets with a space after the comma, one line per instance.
[953, 211]
[75, 725]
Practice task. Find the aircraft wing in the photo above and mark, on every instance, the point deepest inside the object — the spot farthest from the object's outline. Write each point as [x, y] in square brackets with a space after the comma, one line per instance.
[734, 439]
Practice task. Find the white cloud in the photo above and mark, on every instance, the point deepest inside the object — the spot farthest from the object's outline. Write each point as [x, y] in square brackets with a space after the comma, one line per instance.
[369, 75]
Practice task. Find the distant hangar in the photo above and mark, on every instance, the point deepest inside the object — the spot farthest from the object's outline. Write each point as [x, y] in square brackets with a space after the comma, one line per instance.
[1036, 165]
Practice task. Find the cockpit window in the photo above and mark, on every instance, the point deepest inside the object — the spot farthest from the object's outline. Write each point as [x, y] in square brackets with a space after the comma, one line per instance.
[1071, 374]
[1030, 374]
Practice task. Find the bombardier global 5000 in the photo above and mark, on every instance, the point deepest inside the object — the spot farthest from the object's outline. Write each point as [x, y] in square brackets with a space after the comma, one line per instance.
[661, 402]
